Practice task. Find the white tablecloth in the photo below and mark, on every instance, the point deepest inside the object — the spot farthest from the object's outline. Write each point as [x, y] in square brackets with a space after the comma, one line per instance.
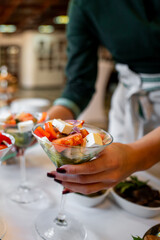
[104, 222]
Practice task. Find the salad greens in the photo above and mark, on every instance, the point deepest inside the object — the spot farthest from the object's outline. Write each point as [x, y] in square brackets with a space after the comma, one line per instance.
[21, 139]
[133, 182]
[137, 238]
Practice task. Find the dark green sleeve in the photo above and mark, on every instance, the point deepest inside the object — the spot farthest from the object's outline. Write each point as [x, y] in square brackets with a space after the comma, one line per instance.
[82, 48]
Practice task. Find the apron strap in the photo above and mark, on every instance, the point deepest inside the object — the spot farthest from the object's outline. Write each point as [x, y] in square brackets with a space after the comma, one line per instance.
[138, 105]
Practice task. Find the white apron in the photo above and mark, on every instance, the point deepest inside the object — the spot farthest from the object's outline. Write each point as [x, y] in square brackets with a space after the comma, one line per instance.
[135, 105]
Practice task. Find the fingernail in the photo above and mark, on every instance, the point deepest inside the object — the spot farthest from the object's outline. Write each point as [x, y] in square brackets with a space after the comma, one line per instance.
[61, 170]
[51, 175]
[66, 191]
[58, 181]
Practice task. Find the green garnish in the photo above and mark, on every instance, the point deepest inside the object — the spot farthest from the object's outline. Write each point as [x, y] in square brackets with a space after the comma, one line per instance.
[132, 183]
[136, 238]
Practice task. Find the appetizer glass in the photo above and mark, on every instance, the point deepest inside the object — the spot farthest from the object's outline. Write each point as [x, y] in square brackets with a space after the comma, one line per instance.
[24, 193]
[3, 152]
[59, 225]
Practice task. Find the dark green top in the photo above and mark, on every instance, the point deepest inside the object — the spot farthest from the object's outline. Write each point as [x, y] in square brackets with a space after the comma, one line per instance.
[129, 29]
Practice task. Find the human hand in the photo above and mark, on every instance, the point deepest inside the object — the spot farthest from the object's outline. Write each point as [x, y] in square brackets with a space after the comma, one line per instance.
[114, 164]
[60, 112]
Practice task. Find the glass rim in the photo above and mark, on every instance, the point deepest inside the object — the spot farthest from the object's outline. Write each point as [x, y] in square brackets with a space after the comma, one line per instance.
[110, 137]
[15, 125]
[12, 140]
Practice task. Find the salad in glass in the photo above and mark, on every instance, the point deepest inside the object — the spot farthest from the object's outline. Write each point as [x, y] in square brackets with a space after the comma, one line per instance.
[73, 144]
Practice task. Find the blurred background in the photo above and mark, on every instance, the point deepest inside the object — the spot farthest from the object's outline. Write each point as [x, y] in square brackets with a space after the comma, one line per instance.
[33, 59]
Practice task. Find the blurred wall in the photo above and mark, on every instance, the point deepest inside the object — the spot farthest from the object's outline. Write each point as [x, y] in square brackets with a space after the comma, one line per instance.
[42, 59]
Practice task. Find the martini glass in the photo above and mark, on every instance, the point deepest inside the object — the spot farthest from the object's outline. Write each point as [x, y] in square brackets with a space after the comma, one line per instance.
[60, 225]
[24, 193]
[3, 152]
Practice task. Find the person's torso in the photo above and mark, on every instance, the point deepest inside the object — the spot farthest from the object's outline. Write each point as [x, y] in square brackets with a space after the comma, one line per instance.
[130, 29]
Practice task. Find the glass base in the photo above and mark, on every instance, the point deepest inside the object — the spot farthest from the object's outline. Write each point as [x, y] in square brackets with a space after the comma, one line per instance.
[48, 229]
[24, 194]
[2, 228]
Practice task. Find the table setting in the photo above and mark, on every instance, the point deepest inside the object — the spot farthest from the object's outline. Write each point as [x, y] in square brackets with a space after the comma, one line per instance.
[103, 220]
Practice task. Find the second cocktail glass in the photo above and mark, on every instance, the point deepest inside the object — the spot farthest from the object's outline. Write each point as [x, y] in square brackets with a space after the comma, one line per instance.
[25, 192]
[54, 225]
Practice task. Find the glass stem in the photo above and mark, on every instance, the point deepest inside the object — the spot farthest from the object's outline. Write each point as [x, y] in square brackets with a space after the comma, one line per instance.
[22, 167]
[61, 218]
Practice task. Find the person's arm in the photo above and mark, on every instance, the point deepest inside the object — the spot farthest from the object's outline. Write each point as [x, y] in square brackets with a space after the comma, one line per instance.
[147, 150]
[116, 162]
[60, 112]
[81, 69]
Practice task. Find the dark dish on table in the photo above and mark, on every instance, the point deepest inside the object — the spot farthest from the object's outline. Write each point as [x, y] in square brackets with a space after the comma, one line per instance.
[147, 237]
[152, 234]
[139, 192]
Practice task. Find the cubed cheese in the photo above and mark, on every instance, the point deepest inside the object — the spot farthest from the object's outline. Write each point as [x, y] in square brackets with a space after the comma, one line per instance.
[62, 126]
[93, 139]
[25, 126]
[5, 116]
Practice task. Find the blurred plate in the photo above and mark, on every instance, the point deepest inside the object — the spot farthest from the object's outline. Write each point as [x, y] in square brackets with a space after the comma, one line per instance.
[141, 211]
[30, 105]
[88, 201]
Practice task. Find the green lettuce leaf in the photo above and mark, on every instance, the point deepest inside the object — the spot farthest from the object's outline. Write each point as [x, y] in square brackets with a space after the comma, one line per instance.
[136, 238]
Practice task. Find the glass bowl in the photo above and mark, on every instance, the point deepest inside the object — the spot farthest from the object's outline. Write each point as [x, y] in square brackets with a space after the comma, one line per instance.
[73, 154]
[91, 200]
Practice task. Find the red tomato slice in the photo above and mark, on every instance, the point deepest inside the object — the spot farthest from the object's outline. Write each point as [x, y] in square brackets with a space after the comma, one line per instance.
[5, 138]
[22, 117]
[10, 122]
[71, 140]
[1, 137]
[58, 145]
